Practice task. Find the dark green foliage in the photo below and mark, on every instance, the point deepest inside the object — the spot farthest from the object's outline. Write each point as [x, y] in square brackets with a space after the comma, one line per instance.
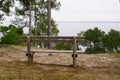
[10, 34]
[10, 38]
[97, 48]
[97, 41]
[55, 4]
[92, 40]
[111, 41]
[3, 30]
[107, 42]
[93, 36]
[63, 46]
[5, 7]
[19, 31]
[118, 51]
[20, 11]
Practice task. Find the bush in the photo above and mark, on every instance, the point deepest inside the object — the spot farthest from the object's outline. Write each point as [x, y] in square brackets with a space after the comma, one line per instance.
[63, 46]
[11, 35]
[10, 38]
[118, 51]
[95, 49]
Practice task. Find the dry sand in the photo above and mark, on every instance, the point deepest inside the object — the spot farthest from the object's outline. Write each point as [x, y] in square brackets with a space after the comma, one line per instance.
[15, 53]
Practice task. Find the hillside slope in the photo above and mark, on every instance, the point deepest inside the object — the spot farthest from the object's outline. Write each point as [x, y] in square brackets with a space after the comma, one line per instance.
[15, 53]
[13, 66]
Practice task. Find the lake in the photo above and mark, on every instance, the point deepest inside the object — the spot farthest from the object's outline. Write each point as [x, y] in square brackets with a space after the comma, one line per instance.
[72, 28]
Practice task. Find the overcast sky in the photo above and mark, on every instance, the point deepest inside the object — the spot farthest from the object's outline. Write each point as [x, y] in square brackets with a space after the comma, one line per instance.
[84, 10]
[88, 10]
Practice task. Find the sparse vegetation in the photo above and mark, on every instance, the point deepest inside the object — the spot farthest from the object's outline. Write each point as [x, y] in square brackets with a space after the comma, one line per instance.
[36, 71]
[13, 66]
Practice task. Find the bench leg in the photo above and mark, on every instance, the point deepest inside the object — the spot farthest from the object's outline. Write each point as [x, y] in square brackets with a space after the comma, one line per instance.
[30, 57]
[74, 53]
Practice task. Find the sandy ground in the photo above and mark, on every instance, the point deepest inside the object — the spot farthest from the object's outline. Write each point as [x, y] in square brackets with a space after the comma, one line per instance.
[15, 53]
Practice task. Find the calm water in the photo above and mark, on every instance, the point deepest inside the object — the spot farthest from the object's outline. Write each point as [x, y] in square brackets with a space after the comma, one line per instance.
[71, 29]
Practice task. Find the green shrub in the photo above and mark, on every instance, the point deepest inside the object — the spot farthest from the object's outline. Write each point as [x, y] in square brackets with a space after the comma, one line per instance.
[10, 35]
[10, 38]
[63, 46]
[118, 51]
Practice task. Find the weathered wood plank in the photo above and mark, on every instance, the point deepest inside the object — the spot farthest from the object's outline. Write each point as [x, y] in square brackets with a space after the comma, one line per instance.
[52, 39]
[52, 51]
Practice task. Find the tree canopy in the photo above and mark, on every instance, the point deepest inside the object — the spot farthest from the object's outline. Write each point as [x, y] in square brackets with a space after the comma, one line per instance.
[39, 15]
[97, 41]
[5, 7]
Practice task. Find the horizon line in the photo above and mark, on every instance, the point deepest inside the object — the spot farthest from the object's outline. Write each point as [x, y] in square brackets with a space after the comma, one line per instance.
[88, 21]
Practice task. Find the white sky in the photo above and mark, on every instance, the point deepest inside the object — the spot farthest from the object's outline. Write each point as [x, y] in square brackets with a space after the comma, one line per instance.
[84, 10]
[88, 10]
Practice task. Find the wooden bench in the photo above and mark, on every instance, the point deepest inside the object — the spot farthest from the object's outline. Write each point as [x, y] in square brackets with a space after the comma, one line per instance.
[70, 39]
